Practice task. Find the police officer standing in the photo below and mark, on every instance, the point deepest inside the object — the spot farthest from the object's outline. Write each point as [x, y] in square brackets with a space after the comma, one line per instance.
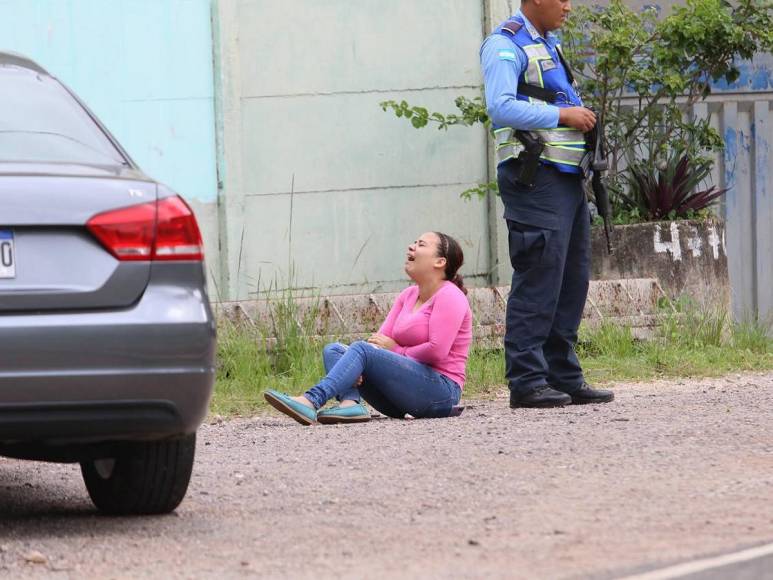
[539, 126]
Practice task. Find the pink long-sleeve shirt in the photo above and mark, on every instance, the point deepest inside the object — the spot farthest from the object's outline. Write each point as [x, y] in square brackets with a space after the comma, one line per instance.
[437, 334]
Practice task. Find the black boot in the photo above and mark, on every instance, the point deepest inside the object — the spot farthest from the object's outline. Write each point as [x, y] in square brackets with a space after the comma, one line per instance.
[587, 395]
[543, 396]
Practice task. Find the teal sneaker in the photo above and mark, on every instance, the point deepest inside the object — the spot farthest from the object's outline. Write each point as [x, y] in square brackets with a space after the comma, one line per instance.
[285, 404]
[353, 414]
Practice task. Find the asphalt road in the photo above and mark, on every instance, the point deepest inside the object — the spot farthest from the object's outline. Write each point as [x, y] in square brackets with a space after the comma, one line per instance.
[672, 471]
[754, 563]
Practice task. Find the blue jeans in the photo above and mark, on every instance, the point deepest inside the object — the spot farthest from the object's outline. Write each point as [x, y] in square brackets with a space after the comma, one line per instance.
[393, 384]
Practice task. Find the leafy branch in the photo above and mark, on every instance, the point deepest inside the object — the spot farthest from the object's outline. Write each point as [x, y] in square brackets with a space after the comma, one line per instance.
[471, 112]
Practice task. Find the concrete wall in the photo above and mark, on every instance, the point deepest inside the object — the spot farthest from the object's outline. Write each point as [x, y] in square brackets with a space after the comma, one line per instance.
[688, 258]
[320, 187]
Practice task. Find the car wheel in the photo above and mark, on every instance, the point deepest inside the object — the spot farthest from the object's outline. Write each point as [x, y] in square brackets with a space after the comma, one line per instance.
[142, 478]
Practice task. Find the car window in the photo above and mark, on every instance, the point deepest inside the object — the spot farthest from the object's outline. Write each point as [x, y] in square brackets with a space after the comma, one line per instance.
[41, 122]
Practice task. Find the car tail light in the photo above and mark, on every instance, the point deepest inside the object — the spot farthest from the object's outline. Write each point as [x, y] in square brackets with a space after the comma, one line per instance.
[177, 233]
[128, 232]
[163, 230]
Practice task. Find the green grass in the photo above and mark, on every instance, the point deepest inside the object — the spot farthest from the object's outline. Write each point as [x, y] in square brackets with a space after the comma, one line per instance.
[688, 343]
[248, 364]
[275, 354]
[693, 343]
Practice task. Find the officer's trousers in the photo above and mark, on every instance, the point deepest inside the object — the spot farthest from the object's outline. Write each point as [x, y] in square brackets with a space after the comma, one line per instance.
[549, 242]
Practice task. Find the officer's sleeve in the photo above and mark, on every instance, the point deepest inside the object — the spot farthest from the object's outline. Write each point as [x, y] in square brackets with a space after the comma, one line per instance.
[503, 63]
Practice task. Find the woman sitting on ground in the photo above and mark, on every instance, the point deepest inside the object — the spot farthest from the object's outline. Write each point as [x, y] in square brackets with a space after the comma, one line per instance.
[415, 364]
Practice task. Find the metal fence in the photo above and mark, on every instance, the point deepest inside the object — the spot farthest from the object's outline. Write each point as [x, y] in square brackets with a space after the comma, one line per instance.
[744, 120]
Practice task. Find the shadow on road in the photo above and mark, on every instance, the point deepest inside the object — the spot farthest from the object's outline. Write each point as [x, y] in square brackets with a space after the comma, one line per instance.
[33, 510]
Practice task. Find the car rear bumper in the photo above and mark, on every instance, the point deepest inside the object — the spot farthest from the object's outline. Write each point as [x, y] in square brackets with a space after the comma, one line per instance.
[137, 373]
[107, 420]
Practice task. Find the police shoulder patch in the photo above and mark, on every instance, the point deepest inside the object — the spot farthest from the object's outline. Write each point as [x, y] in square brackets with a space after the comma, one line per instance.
[512, 27]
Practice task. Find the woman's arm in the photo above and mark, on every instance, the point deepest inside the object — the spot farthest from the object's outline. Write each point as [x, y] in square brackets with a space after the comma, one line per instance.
[446, 319]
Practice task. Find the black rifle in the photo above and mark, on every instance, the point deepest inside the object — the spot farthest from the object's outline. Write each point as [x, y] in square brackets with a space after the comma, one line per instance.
[597, 160]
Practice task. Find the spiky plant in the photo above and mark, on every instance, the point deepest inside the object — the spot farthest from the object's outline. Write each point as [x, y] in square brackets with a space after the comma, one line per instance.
[671, 191]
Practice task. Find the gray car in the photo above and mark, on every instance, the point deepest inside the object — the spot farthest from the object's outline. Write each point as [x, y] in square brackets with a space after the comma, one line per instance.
[107, 338]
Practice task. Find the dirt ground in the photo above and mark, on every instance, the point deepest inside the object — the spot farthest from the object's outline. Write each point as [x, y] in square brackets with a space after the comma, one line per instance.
[671, 470]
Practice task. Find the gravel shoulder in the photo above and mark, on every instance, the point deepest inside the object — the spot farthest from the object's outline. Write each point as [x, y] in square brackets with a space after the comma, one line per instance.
[671, 470]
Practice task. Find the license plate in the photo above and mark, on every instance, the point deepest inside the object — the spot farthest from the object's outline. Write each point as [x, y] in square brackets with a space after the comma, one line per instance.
[7, 255]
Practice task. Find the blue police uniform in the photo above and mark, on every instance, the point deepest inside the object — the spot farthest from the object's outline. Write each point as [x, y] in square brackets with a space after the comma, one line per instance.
[549, 222]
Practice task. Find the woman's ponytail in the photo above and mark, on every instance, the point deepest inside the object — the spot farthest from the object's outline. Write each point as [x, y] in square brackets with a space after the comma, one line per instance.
[450, 249]
[459, 281]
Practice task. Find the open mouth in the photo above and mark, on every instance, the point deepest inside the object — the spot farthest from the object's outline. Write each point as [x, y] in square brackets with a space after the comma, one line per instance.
[410, 258]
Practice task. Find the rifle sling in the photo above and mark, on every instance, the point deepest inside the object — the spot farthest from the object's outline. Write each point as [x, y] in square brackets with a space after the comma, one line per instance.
[537, 92]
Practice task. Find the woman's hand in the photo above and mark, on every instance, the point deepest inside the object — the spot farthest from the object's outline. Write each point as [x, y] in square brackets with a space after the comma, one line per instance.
[382, 341]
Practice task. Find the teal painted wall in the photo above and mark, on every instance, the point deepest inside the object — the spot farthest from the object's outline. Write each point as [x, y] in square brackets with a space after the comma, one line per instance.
[143, 66]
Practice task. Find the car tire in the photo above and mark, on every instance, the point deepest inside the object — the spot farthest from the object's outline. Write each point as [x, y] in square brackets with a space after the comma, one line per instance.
[142, 478]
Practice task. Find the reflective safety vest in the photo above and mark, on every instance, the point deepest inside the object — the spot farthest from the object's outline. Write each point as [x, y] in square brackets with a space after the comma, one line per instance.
[564, 147]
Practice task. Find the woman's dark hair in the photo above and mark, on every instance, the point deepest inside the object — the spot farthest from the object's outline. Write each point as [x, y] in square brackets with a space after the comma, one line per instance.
[450, 249]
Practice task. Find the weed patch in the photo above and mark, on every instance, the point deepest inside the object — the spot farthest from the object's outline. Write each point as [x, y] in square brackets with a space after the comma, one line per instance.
[279, 353]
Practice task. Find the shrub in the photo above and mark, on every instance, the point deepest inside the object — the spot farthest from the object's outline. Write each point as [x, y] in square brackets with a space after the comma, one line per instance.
[670, 191]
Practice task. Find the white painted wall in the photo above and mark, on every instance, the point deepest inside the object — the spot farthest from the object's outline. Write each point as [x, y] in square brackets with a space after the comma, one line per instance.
[321, 187]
